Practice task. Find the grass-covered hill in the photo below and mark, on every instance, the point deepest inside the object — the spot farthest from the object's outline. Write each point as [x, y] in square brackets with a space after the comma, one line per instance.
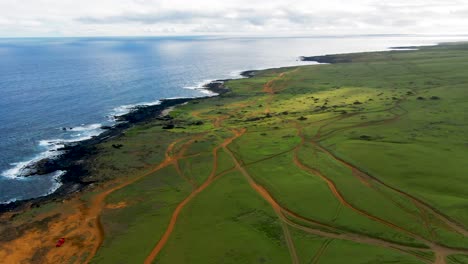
[361, 161]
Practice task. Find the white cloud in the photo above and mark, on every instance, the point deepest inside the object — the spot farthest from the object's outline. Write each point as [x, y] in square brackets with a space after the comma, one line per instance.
[260, 17]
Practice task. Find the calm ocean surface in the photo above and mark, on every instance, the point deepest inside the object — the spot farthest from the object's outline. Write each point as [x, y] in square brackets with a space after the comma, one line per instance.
[79, 83]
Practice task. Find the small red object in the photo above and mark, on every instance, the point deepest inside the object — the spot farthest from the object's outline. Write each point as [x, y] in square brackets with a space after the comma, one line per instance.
[60, 242]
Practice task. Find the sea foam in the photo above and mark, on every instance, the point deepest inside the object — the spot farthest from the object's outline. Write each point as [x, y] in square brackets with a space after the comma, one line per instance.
[201, 87]
[51, 149]
[125, 109]
[56, 183]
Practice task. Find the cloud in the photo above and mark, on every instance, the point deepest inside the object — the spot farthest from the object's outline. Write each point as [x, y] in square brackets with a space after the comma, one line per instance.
[277, 17]
[149, 18]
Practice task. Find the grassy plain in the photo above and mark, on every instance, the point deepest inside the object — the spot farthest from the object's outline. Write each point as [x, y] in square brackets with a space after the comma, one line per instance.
[355, 162]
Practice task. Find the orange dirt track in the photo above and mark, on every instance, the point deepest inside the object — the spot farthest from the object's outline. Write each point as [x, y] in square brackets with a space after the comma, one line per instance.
[180, 206]
[333, 233]
[86, 220]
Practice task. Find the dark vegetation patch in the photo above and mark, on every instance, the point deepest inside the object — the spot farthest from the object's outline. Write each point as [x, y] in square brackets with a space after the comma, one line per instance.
[11, 233]
[262, 222]
[117, 146]
[168, 126]
[365, 137]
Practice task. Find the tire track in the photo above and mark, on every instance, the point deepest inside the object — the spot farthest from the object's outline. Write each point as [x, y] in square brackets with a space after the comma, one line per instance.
[183, 176]
[342, 236]
[454, 225]
[163, 240]
[264, 193]
[290, 243]
[451, 223]
[340, 197]
[320, 252]
[440, 250]
[268, 88]
[343, 201]
[99, 201]
[426, 221]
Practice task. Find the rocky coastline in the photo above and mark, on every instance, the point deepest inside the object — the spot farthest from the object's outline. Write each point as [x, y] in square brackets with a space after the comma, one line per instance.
[76, 157]
[327, 59]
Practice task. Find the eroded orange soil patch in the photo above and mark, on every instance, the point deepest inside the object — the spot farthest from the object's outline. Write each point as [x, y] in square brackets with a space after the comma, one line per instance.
[117, 205]
[37, 244]
[76, 221]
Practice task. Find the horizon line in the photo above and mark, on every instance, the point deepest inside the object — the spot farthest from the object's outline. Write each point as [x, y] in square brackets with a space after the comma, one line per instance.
[245, 36]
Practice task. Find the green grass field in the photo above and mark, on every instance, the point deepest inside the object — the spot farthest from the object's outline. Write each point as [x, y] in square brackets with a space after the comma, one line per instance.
[357, 162]
[380, 152]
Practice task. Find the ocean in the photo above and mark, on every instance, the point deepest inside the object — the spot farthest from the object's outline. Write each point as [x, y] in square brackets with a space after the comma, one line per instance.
[57, 90]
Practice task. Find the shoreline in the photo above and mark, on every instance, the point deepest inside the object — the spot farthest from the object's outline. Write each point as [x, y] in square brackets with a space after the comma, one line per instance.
[77, 156]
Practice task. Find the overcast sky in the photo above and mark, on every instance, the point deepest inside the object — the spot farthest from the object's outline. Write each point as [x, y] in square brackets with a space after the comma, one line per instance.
[237, 17]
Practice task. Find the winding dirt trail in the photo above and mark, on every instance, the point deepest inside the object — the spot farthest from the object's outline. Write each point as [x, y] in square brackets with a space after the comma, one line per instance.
[271, 91]
[343, 236]
[441, 252]
[268, 87]
[181, 154]
[154, 253]
[341, 198]
[451, 223]
[280, 210]
[343, 201]
[97, 204]
[289, 219]
[421, 204]
[77, 221]
[266, 195]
